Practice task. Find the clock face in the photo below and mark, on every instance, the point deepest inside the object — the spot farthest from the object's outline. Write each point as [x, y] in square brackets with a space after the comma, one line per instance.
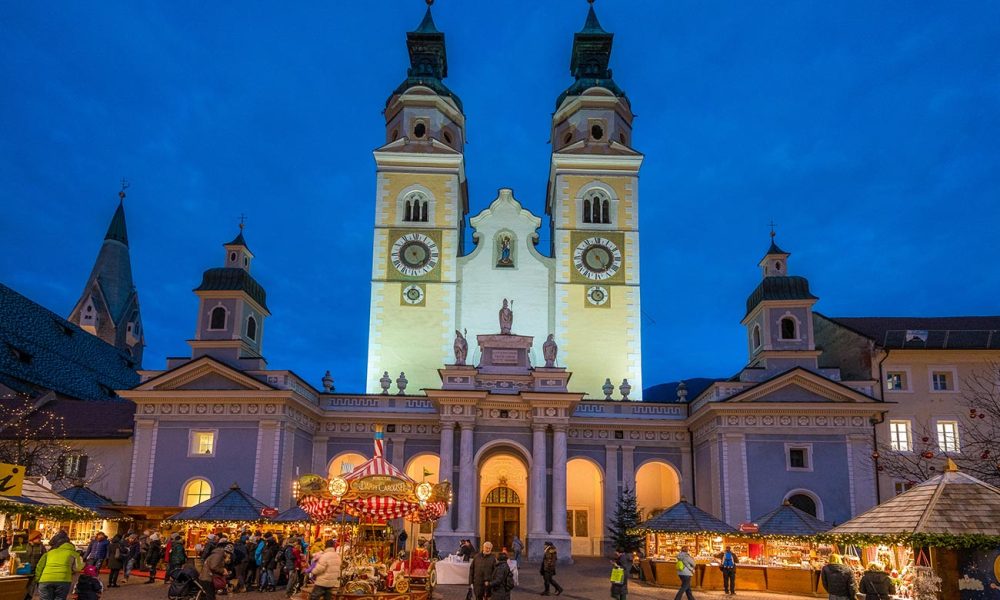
[597, 258]
[414, 254]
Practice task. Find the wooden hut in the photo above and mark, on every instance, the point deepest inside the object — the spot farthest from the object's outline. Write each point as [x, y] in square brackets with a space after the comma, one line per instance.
[785, 543]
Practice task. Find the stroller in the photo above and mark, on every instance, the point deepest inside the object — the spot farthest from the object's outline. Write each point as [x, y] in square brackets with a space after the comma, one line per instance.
[185, 585]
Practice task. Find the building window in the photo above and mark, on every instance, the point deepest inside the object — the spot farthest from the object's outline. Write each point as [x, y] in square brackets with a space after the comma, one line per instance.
[202, 443]
[195, 492]
[596, 208]
[73, 466]
[217, 320]
[895, 381]
[901, 486]
[947, 436]
[788, 328]
[941, 381]
[419, 130]
[578, 523]
[804, 503]
[756, 337]
[415, 208]
[798, 457]
[899, 435]
[252, 328]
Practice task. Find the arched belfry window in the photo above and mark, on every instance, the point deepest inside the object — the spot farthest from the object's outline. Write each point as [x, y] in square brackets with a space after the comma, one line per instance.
[415, 208]
[756, 337]
[252, 328]
[788, 328]
[502, 495]
[596, 207]
[218, 318]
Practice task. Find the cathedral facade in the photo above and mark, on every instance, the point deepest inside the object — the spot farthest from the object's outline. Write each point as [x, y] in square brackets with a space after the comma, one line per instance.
[515, 372]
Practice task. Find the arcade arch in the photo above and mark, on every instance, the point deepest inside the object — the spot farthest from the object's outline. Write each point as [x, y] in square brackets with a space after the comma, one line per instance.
[503, 494]
[425, 463]
[657, 487]
[585, 506]
[345, 462]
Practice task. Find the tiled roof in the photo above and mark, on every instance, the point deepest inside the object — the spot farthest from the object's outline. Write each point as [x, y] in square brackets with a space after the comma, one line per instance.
[88, 498]
[685, 518]
[33, 492]
[788, 520]
[232, 505]
[81, 420]
[41, 349]
[951, 502]
[780, 288]
[918, 333]
[227, 278]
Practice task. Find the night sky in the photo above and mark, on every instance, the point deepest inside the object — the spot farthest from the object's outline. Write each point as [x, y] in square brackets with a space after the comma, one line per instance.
[868, 131]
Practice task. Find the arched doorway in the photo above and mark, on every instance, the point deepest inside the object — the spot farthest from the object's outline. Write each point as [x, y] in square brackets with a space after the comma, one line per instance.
[503, 493]
[585, 506]
[657, 487]
[345, 463]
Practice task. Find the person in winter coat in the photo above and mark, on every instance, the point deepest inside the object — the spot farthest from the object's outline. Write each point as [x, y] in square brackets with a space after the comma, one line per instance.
[481, 571]
[619, 591]
[56, 568]
[876, 584]
[838, 580]
[727, 565]
[293, 565]
[97, 550]
[117, 551]
[132, 558]
[517, 546]
[32, 554]
[548, 569]
[502, 581]
[88, 586]
[250, 575]
[177, 557]
[240, 561]
[685, 571]
[326, 572]
[154, 554]
[268, 560]
[213, 566]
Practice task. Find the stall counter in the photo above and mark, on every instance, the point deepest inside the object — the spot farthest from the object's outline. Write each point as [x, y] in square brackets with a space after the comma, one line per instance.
[14, 587]
[665, 573]
[791, 580]
[748, 577]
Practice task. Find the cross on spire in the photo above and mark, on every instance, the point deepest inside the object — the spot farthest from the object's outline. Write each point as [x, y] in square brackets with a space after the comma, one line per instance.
[243, 221]
[121, 192]
[772, 224]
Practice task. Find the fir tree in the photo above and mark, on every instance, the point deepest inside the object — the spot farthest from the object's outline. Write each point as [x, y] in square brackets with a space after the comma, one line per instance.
[625, 521]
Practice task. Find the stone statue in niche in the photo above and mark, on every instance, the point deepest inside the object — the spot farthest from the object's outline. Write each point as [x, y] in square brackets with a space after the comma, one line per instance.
[461, 347]
[549, 350]
[506, 317]
[505, 259]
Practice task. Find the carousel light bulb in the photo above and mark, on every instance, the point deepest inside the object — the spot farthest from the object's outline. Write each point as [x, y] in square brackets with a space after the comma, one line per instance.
[424, 491]
[338, 486]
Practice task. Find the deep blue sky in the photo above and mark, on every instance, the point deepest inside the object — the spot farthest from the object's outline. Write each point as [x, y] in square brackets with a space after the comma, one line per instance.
[867, 130]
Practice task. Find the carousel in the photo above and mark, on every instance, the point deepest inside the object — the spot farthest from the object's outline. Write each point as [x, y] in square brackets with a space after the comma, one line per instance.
[374, 494]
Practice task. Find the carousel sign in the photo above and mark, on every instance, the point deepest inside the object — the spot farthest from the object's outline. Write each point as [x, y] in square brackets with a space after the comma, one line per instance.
[383, 484]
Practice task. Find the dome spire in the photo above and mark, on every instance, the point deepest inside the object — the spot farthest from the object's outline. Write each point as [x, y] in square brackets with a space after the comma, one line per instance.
[590, 59]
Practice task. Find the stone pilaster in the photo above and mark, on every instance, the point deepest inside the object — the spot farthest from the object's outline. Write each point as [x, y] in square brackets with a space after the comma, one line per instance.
[447, 456]
[467, 481]
[559, 454]
[536, 507]
[143, 461]
[611, 488]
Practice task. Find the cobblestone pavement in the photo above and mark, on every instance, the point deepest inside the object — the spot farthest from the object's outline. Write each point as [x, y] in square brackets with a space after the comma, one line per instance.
[586, 579]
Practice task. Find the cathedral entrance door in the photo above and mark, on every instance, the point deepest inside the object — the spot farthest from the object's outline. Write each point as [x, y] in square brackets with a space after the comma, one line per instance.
[502, 508]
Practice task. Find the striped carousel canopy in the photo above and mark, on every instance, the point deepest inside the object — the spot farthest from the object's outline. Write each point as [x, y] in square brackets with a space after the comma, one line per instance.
[378, 506]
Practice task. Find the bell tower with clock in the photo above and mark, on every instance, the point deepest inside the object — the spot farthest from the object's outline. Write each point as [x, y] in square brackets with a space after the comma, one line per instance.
[420, 207]
[592, 202]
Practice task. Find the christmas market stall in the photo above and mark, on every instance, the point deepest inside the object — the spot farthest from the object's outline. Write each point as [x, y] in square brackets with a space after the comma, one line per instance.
[109, 520]
[684, 524]
[38, 507]
[940, 538]
[230, 512]
[784, 542]
[377, 493]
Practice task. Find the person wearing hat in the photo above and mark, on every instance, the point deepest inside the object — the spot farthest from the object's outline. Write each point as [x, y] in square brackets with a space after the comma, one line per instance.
[548, 569]
[117, 551]
[177, 557]
[56, 568]
[32, 554]
[154, 554]
[213, 570]
[89, 587]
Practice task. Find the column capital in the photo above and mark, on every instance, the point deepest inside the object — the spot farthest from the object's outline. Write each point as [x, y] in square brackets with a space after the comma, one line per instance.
[467, 425]
[448, 425]
[559, 427]
[539, 427]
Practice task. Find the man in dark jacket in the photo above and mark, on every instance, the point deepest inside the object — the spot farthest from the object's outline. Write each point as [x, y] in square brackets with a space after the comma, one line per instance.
[619, 591]
[117, 551]
[728, 567]
[502, 581]
[548, 569]
[154, 553]
[178, 556]
[97, 550]
[838, 579]
[481, 571]
[876, 584]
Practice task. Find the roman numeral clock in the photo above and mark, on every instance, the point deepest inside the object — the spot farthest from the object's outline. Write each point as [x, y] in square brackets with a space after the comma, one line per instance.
[414, 258]
[598, 262]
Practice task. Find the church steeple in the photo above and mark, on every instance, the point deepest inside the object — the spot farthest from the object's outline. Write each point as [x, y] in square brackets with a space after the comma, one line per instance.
[109, 304]
[590, 60]
[428, 59]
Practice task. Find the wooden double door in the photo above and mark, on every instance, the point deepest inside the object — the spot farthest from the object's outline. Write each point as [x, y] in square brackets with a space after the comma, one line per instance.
[502, 524]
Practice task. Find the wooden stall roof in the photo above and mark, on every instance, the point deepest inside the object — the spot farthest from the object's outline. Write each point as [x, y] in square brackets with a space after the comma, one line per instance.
[685, 518]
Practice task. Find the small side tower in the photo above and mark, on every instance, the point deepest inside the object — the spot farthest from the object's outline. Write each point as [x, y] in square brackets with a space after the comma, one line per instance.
[231, 311]
[109, 304]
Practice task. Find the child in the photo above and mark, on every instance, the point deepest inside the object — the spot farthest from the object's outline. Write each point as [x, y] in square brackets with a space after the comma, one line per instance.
[89, 587]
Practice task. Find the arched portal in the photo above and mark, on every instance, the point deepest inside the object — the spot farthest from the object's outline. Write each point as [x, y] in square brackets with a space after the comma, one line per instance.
[657, 486]
[345, 463]
[503, 493]
[425, 467]
[585, 506]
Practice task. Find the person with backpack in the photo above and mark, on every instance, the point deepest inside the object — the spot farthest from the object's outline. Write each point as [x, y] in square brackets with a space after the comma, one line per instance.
[116, 560]
[88, 586]
[685, 571]
[57, 567]
[728, 568]
[838, 579]
[502, 581]
[621, 565]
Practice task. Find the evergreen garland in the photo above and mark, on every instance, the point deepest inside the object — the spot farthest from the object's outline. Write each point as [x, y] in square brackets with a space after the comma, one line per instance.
[625, 522]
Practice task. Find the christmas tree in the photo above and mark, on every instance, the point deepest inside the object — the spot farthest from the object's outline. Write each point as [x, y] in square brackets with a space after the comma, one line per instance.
[625, 521]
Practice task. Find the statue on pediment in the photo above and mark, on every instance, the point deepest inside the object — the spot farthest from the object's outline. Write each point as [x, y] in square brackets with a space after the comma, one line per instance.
[506, 317]
[549, 350]
[461, 347]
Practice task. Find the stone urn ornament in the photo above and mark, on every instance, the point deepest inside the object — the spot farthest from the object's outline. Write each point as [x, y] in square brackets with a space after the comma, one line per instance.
[625, 388]
[401, 383]
[608, 388]
[385, 382]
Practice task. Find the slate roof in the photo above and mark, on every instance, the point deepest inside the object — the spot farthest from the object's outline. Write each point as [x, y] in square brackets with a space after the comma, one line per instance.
[116, 229]
[226, 278]
[112, 272]
[82, 420]
[232, 505]
[951, 502]
[88, 498]
[942, 333]
[41, 350]
[780, 288]
[239, 240]
[685, 518]
[34, 492]
[788, 520]
[294, 514]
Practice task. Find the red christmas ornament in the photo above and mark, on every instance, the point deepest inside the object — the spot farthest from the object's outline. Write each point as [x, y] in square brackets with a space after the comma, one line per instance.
[927, 454]
[982, 416]
[984, 455]
[926, 439]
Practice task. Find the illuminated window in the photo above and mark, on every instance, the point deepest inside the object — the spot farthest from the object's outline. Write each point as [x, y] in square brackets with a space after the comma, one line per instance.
[195, 492]
[947, 434]
[895, 381]
[202, 443]
[899, 435]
